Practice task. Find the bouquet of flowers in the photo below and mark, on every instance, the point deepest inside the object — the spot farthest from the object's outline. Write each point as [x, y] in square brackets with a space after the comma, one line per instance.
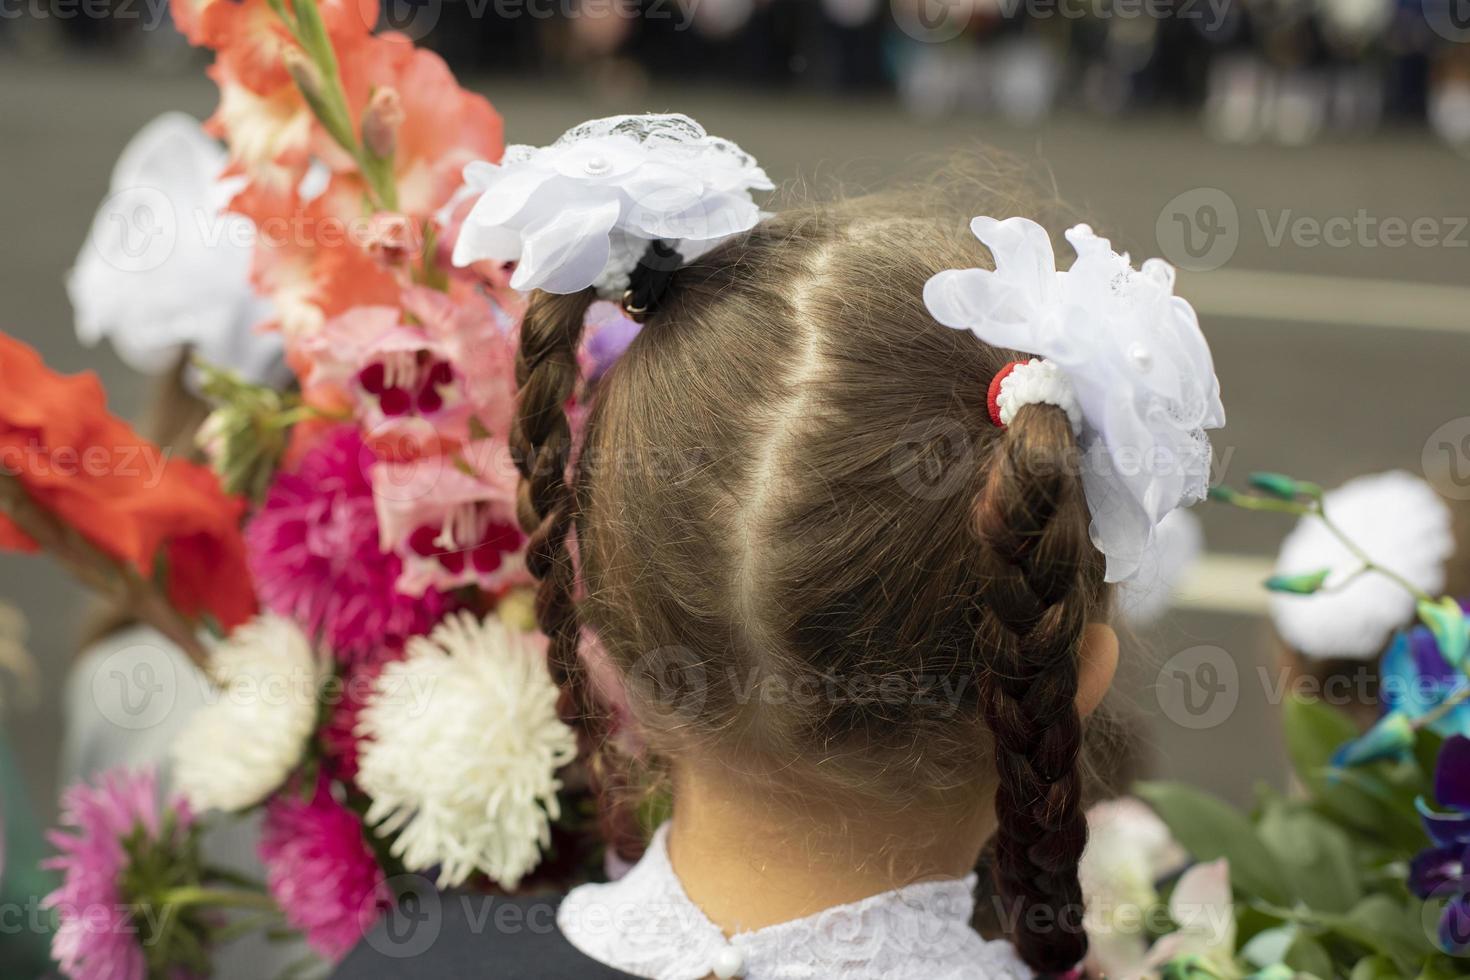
[351, 552]
[1362, 872]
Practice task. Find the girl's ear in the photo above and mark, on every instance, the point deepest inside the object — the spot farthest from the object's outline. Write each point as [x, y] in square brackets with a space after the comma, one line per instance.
[1097, 662]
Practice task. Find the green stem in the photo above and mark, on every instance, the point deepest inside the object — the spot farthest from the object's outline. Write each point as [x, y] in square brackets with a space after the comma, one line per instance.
[1367, 560]
[330, 105]
[186, 895]
[245, 926]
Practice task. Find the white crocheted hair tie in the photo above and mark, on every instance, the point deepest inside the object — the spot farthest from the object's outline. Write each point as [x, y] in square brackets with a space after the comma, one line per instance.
[1033, 382]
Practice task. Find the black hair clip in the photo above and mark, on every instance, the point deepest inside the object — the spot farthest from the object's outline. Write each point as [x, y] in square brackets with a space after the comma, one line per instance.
[649, 282]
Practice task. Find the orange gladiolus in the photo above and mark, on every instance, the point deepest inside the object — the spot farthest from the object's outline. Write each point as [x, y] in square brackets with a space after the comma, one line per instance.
[119, 491]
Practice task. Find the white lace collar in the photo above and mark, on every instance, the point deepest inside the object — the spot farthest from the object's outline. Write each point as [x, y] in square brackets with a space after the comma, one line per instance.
[645, 925]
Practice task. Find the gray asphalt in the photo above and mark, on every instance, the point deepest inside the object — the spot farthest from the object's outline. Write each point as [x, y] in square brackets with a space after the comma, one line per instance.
[1322, 400]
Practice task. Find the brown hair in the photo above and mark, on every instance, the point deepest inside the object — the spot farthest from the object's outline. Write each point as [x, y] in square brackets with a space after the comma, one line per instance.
[791, 477]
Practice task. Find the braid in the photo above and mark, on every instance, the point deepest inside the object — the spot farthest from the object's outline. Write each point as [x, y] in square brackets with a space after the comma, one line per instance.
[541, 442]
[1039, 568]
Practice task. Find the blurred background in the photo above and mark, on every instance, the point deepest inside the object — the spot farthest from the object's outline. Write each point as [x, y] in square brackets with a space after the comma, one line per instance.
[1304, 161]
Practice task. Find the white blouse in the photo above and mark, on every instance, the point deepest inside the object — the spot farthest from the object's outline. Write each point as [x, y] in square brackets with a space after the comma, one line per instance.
[644, 924]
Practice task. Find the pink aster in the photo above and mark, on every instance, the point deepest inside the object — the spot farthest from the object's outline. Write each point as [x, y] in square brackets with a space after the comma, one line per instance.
[313, 551]
[320, 870]
[97, 937]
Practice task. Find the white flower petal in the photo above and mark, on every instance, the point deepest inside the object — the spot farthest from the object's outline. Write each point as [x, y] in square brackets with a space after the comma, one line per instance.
[1403, 524]
[239, 747]
[165, 268]
[462, 742]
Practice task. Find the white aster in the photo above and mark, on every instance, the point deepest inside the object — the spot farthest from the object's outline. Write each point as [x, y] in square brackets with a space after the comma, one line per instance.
[1403, 525]
[248, 737]
[462, 742]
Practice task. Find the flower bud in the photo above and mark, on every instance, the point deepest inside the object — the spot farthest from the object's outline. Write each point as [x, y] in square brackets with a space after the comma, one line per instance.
[303, 73]
[380, 122]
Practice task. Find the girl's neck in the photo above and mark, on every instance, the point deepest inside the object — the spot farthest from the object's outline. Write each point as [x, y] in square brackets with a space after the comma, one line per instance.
[750, 861]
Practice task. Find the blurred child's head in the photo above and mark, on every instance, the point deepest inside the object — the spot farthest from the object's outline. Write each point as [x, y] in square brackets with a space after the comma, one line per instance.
[813, 557]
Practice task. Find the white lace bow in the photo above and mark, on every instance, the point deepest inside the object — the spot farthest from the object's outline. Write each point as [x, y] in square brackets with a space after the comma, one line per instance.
[582, 211]
[645, 924]
[1132, 352]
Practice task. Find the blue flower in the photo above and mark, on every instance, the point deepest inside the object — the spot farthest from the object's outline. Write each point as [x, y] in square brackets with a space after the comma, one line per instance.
[1416, 678]
[1443, 870]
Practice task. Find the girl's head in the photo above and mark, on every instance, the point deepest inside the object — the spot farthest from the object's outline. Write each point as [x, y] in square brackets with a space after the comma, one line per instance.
[834, 549]
[807, 547]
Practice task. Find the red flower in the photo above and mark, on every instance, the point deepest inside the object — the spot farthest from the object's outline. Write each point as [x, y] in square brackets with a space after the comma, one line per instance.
[121, 492]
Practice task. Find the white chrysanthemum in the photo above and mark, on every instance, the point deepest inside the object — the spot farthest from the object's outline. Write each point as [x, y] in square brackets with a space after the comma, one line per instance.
[1403, 525]
[248, 737]
[461, 746]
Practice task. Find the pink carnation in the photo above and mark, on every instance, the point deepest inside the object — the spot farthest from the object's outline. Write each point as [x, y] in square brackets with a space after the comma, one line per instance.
[97, 937]
[313, 551]
[320, 870]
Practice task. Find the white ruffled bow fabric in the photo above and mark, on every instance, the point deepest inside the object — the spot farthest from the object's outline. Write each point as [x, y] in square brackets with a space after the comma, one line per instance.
[1132, 352]
[583, 210]
[165, 268]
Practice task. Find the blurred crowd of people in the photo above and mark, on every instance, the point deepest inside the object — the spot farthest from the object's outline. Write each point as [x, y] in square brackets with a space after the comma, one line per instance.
[1288, 71]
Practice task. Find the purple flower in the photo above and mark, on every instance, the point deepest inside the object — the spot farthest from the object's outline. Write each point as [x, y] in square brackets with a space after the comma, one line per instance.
[313, 551]
[117, 850]
[1443, 870]
[320, 869]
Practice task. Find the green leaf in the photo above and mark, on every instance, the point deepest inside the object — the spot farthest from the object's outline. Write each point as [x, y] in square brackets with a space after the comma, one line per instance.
[1209, 829]
[1303, 583]
[1374, 968]
[1314, 733]
[1283, 487]
[1316, 855]
[1306, 955]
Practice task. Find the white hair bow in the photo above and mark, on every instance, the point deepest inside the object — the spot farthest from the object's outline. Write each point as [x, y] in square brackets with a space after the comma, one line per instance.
[1132, 353]
[583, 211]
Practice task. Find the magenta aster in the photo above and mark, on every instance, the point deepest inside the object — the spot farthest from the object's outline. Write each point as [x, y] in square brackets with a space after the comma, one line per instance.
[313, 551]
[118, 849]
[320, 869]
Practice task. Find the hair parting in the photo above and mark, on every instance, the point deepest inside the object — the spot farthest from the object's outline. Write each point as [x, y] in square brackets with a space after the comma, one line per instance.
[809, 494]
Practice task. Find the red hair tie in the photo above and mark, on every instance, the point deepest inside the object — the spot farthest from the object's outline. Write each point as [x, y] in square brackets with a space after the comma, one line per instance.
[992, 397]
